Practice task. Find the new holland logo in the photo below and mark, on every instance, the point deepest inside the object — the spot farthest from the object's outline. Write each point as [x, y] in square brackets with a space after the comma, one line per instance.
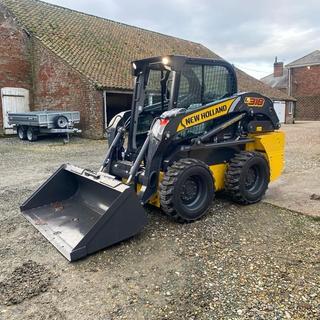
[206, 114]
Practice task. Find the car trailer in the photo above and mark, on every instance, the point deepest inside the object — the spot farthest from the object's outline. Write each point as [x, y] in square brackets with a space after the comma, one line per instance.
[30, 125]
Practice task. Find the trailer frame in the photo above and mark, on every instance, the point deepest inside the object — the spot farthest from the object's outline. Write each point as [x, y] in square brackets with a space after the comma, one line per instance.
[31, 125]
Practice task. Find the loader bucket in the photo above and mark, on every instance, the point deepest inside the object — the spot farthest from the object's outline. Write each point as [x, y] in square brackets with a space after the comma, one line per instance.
[80, 212]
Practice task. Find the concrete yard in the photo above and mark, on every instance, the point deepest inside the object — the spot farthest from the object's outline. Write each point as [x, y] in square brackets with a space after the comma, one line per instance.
[299, 187]
[254, 262]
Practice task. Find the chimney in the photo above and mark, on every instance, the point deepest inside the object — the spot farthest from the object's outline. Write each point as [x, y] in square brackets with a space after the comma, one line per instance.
[277, 68]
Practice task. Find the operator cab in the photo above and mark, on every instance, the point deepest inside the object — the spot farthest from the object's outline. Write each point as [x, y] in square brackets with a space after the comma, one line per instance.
[164, 83]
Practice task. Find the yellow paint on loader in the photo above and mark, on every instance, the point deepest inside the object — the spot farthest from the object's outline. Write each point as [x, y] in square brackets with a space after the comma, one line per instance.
[272, 146]
[155, 199]
[218, 171]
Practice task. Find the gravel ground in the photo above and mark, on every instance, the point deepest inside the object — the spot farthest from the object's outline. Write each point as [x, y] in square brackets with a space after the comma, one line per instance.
[254, 262]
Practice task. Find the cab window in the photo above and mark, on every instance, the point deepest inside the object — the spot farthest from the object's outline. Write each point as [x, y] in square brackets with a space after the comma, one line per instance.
[215, 83]
[203, 84]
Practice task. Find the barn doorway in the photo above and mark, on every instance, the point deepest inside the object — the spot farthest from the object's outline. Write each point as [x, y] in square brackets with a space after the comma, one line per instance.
[116, 102]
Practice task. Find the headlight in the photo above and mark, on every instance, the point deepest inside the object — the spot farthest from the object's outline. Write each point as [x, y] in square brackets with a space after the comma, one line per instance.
[165, 60]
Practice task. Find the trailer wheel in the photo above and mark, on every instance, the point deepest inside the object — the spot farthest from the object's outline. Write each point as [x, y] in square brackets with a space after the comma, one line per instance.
[22, 133]
[247, 177]
[187, 190]
[61, 122]
[32, 134]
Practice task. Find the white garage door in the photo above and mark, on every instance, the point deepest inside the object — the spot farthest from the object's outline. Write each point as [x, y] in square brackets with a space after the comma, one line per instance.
[13, 100]
[280, 108]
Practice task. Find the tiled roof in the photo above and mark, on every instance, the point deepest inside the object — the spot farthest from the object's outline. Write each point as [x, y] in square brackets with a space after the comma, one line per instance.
[248, 83]
[102, 49]
[277, 82]
[310, 59]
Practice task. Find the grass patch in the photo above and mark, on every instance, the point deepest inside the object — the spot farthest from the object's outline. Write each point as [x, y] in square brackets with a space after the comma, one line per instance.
[316, 219]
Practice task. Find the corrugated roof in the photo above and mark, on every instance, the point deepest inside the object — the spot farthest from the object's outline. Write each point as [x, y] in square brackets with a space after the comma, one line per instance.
[310, 59]
[102, 49]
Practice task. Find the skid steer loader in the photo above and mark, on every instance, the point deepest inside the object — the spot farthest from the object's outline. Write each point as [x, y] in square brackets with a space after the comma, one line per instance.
[188, 135]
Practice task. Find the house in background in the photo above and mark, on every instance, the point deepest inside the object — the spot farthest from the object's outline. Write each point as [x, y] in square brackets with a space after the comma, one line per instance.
[60, 59]
[300, 79]
[304, 85]
[279, 80]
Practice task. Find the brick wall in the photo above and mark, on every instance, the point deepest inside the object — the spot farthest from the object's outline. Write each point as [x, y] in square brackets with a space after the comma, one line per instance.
[15, 66]
[58, 86]
[26, 63]
[308, 108]
[306, 89]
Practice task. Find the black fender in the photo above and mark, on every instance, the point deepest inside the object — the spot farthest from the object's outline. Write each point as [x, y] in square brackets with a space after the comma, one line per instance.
[257, 106]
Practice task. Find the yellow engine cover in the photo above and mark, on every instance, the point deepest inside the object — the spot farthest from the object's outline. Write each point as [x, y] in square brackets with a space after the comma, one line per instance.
[272, 145]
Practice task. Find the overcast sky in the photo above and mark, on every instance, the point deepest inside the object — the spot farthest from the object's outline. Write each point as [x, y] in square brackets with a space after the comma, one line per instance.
[248, 33]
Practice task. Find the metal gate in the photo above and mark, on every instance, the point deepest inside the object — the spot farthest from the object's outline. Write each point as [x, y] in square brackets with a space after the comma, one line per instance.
[13, 100]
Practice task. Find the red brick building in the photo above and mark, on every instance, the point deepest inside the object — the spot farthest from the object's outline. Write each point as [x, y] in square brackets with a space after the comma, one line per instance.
[300, 79]
[68, 60]
[304, 85]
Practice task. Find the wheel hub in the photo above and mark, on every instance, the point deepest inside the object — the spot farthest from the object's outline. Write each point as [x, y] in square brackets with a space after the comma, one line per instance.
[189, 191]
[29, 134]
[251, 178]
[62, 122]
[20, 133]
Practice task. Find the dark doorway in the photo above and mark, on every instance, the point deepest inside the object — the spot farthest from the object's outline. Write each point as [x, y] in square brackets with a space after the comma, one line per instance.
[117, 102]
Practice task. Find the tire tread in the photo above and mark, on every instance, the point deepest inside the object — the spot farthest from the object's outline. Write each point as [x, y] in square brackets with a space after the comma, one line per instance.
[233, 174]
[168, 182]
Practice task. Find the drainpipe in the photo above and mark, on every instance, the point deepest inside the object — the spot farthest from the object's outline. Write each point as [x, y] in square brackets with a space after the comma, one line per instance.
[105, 109]
[289, 82]
[293, 104]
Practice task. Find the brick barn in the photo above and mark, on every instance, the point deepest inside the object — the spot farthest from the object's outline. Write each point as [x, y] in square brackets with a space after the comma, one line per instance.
[60, 59]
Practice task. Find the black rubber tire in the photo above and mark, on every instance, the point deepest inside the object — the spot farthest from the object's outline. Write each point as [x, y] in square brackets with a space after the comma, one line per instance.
[22, 133]
[187, 174]
[61, 122]
[32, 134]
[247, 177]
